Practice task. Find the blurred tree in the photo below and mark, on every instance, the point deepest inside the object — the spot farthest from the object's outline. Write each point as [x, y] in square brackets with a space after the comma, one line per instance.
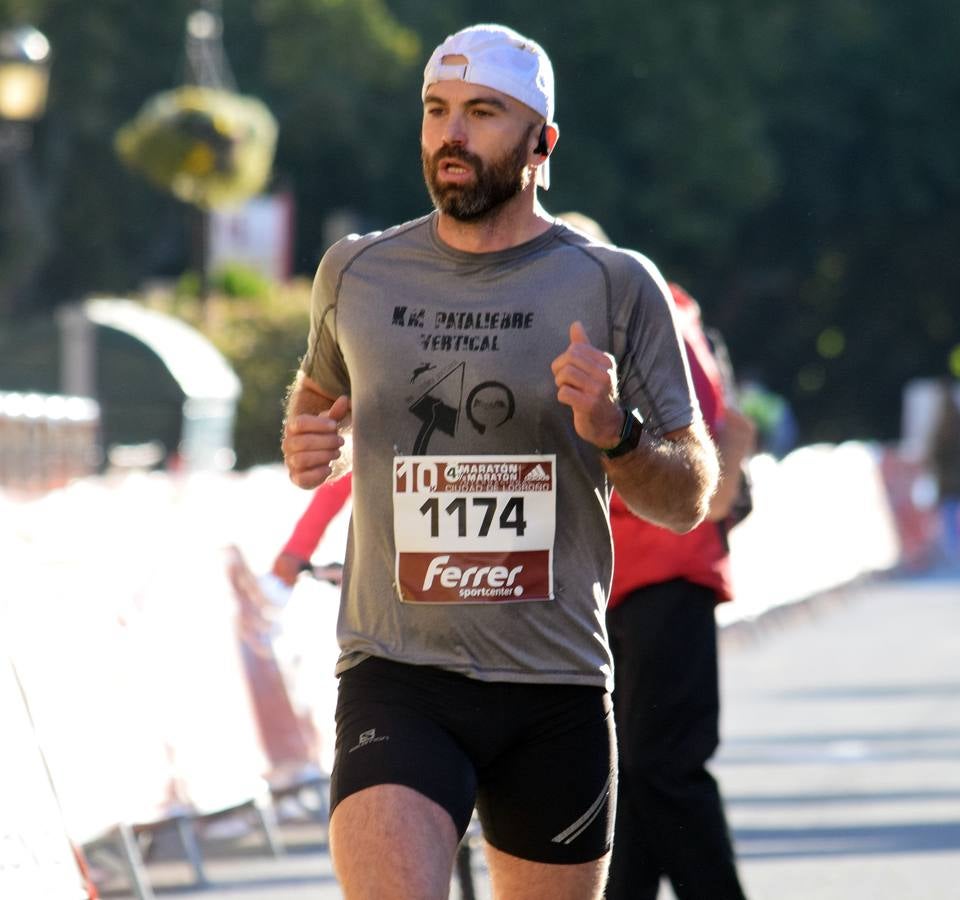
[662, 132]
[109, 228]
[325, 66]
[860, 235]
[796, 163]
[337, 75]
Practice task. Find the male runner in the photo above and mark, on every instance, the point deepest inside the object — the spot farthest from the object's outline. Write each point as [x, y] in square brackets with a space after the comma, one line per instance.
[494, 366]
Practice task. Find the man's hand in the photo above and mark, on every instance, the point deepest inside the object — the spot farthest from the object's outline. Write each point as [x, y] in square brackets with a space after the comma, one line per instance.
[311, 443]
[738, 437]
[586, 380]
[737, 441]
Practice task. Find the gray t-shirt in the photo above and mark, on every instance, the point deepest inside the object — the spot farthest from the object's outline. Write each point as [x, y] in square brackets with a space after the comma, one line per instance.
[446, 355]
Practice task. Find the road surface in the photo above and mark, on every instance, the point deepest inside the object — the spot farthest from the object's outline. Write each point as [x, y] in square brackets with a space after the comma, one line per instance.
[840, 763]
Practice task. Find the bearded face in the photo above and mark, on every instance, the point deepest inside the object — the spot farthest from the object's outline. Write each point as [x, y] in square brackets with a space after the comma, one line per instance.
[494, 183]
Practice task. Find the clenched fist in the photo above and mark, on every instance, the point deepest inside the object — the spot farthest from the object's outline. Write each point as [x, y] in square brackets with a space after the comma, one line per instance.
[586, 380]
[311, 443]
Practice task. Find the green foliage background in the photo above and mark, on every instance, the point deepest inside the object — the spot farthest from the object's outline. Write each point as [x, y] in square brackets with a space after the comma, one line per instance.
[795, 163]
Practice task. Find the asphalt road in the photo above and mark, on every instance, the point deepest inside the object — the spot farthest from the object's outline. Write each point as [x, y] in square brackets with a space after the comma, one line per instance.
[840, 763]
[841, 758]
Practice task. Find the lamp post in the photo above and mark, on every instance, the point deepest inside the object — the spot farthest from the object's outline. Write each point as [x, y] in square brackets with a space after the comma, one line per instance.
[207, 66]
[24, 78]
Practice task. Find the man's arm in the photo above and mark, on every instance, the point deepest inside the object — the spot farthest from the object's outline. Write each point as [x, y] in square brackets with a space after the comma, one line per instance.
[312, 437]
[667, 480]
[327, 501]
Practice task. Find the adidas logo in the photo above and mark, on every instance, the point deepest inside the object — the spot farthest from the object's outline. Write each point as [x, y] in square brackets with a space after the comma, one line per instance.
[537, 473]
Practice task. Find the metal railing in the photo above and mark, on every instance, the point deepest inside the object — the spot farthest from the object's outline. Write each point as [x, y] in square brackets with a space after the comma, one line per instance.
[47, 439]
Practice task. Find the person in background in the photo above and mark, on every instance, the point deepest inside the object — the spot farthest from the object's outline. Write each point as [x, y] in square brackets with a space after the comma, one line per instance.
[498, 371]
[943, 460]
[771, 414]
[294, 557]
[662, 630]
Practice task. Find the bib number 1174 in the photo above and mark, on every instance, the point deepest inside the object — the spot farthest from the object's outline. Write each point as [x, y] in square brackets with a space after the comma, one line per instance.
[476, 516]
[474, 529]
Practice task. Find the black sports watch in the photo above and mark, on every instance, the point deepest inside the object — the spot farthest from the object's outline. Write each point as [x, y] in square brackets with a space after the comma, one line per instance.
[629, 435]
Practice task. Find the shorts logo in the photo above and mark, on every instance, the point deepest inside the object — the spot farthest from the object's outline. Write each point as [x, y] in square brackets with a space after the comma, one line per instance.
[367, 738]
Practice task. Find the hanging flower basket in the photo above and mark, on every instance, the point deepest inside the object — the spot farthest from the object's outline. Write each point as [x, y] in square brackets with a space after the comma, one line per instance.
[209, 147]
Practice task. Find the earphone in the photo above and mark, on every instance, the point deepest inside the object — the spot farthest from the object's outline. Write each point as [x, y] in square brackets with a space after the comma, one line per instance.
[541, 147]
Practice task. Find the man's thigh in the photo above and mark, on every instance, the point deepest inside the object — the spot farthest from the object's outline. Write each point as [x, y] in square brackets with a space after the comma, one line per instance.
[389, 842]
[388, 734]
[549, 796]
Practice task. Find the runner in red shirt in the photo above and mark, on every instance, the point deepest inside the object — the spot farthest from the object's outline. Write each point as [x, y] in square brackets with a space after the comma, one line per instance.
[660, 618]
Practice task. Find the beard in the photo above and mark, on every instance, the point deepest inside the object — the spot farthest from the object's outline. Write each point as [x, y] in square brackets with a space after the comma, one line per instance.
[494, 183]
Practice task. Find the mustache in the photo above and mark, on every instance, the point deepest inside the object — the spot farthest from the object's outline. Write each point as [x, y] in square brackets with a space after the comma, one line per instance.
[452, 151]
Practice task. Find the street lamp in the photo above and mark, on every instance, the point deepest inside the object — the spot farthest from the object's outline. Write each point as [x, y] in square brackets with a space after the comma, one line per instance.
[24, 78]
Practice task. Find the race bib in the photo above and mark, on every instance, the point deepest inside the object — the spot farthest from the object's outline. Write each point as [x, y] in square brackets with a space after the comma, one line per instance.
[474, 529]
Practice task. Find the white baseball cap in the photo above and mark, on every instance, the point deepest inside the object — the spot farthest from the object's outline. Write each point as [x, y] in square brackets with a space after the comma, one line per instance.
[499, 58]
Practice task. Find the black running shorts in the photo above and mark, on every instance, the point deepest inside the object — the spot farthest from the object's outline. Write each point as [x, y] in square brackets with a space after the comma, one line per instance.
[539, 761]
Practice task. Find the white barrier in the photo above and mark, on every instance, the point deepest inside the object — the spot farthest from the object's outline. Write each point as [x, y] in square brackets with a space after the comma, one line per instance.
[47, 439]
[123, 616]
[36, 860]
[123, 621]
[821, 518]
[84, 686]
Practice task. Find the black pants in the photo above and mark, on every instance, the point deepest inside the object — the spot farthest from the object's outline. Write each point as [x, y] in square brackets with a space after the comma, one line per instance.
[670, 818]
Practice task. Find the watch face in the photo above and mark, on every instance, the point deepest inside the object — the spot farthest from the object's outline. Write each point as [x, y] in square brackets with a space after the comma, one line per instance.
[629, 436]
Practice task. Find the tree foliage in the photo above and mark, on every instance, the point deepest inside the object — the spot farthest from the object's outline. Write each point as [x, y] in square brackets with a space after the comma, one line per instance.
[795, 164]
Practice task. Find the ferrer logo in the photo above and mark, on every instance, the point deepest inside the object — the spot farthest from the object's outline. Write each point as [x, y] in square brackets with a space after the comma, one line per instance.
[474, 582]
[495, 576]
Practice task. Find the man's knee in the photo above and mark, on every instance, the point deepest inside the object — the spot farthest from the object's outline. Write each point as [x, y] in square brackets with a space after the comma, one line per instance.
[511, 876]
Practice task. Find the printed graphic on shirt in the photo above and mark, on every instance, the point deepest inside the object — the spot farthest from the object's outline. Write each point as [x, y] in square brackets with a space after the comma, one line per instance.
[419, 370]
[439, 403]
[489, 405]
[457, 331]
[474, 529]
[439, 407]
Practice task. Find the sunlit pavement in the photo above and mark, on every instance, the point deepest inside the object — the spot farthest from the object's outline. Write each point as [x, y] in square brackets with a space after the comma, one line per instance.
[841, 755]
[840, 763]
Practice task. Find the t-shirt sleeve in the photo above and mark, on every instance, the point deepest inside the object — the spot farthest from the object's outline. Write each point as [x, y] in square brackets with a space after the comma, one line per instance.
[323, 362]
[653, 370]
